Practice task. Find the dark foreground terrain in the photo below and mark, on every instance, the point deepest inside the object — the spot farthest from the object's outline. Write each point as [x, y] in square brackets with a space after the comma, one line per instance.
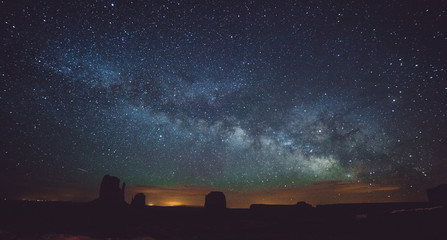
[63, 220]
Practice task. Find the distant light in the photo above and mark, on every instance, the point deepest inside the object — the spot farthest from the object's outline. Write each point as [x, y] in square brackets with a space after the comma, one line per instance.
[172, 203]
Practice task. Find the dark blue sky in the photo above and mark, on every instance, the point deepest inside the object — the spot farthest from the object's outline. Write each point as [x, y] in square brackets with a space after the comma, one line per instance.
[230, 95]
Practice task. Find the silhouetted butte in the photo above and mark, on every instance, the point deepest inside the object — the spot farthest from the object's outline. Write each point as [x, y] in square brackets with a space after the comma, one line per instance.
[139, 200]
[215, 200]
[110, 193]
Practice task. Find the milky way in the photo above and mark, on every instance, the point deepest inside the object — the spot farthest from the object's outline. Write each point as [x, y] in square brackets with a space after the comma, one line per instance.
[227, 94]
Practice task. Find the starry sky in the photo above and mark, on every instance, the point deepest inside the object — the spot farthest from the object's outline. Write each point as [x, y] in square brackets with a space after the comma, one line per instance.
[267, 101]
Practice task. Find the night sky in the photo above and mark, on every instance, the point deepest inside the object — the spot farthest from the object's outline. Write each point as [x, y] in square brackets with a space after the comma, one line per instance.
[267, 101]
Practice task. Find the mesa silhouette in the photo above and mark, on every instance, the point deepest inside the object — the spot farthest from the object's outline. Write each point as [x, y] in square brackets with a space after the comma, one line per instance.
[110, 217]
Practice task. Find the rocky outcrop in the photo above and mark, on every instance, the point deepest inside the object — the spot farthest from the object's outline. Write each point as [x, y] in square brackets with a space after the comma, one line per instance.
[304, 206]
[438, 195]
[139, 200]
[215, 200]
[110, 192]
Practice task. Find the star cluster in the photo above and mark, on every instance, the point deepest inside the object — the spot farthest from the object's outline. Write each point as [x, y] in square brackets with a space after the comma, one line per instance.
[224, 94]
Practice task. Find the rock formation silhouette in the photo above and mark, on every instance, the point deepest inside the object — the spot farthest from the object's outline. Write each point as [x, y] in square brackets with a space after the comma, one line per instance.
[110, 193]
[303, 205]
[215, 200]
[139, 200]
[438, 195]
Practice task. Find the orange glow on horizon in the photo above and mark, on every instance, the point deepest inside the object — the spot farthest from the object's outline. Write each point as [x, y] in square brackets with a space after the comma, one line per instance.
[171, 204]
[324, 192]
